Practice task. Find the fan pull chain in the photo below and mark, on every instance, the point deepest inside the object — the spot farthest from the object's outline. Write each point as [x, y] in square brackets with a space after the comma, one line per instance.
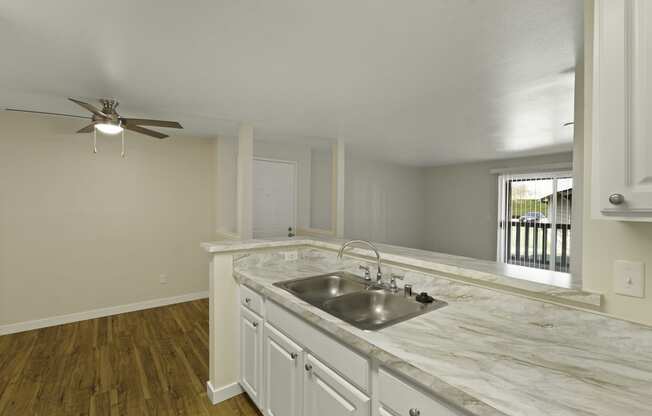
[94, 140]
[124, 148]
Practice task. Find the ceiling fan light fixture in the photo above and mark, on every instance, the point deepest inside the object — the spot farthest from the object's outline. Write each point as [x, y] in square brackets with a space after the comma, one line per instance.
[109, 128]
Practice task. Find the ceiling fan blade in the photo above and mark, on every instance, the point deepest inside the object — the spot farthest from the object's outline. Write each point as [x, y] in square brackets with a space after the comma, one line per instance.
[147, 122]
[46, 113]
[89, 107]
[87, 129]
[143, 130]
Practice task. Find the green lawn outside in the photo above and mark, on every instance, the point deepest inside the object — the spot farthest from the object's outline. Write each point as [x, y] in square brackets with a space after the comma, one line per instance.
[521, 206]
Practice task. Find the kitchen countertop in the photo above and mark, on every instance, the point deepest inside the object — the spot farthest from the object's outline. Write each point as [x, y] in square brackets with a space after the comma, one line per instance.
[488, 352]
[534, 282]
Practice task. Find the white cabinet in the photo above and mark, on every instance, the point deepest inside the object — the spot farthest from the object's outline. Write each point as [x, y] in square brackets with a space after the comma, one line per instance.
[328, 394]
[251, 355]
[622, 110]
[398, 398]
[281, 374]
[283, 384]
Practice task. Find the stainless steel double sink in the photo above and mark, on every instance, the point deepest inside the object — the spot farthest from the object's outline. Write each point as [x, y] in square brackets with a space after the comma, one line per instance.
[353, 300]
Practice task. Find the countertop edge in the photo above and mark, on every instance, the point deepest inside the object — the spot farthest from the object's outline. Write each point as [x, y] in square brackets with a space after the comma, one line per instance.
[544, 292]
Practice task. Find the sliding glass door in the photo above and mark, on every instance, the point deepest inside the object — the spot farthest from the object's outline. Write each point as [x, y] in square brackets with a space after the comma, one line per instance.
[534, 220]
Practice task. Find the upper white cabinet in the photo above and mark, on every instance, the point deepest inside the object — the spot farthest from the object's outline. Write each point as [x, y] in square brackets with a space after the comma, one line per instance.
[622, 110]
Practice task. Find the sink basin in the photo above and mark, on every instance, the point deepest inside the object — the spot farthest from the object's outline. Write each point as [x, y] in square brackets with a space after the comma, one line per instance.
[376, 309]
[317, 289]
[356, 301]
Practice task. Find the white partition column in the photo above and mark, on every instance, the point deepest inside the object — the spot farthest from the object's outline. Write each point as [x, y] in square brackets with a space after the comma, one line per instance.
[224, 336]
[245, 182]
[339, 162]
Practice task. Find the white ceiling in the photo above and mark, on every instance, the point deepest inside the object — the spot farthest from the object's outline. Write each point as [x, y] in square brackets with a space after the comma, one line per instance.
[419, 82]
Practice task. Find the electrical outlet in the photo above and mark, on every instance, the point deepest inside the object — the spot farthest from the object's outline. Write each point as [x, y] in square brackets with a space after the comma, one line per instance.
[163, 279]
[290, 255]
[629, 278]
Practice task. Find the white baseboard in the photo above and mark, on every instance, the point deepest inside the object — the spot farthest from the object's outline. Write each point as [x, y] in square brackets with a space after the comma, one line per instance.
[223, 393]
[98, 313]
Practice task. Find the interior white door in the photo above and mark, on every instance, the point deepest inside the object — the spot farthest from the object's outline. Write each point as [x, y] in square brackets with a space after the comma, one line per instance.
[251, 366]
[328, 394]
[283, 374]
[274, 198]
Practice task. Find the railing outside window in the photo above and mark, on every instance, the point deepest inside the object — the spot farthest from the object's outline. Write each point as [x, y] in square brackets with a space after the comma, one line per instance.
[534, 227]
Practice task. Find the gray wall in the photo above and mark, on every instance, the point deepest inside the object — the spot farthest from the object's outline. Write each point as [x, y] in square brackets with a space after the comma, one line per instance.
[384, 202]
[462, 205]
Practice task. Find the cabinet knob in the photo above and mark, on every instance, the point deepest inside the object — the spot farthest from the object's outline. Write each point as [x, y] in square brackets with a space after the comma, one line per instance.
[294, 355]
[415, 412]
[308, 367]
[616, 199]
[255, 324]
[247, 300]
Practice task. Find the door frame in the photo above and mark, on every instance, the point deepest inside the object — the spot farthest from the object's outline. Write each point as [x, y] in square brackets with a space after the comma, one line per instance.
[295, 204]
[503, 209]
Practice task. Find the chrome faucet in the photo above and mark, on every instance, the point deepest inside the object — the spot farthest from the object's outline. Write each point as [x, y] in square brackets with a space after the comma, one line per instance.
[379, 274]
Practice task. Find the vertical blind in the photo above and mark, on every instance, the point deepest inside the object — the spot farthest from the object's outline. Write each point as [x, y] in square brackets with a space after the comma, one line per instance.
[534, 220]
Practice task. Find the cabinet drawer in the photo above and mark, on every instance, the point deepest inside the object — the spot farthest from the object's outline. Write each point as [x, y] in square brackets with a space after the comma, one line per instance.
[351, 365]
[402, 399]
[326, 393]
[251, 300]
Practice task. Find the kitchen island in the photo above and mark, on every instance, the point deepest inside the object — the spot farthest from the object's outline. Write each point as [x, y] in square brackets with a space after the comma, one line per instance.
[489, 352]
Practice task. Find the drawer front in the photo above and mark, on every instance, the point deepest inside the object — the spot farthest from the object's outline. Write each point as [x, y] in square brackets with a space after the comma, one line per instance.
[326, 393]
[401, 399]
[351, 365]
[251, 300]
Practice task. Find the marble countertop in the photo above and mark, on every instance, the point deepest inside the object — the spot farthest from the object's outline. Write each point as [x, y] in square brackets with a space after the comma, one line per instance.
[534, 282]
[488, 352]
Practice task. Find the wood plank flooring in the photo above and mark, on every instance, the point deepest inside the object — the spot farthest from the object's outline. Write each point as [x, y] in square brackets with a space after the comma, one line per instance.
[152, 362]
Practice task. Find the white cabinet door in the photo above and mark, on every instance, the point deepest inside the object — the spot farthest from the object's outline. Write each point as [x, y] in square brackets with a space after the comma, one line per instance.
[622, 110]
[251, 355]
[283, 374]
[328, 394]
[400, 398]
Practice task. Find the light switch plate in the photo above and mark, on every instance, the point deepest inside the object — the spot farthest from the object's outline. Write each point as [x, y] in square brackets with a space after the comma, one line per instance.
[629, 278]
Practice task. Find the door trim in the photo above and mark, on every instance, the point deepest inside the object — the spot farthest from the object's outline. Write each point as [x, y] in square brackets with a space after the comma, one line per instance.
[295, 207]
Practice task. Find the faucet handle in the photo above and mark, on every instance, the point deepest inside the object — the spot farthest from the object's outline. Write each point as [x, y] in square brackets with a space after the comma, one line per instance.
[392, 283]
[367, 274]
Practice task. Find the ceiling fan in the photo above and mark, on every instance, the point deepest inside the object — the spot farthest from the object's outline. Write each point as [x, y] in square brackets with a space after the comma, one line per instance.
[108, 121]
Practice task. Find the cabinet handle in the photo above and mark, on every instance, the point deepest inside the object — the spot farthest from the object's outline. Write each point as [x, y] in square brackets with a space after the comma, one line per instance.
[294, 355]
[415, 412]
[255, 324]
[616, 199]
[308, 367]
[247, 300]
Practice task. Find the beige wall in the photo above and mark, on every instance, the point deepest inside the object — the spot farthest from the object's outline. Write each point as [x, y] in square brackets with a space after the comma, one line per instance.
[226, 185]
[321, 189]
[606, 240]
[462, 205]
[80, 231]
